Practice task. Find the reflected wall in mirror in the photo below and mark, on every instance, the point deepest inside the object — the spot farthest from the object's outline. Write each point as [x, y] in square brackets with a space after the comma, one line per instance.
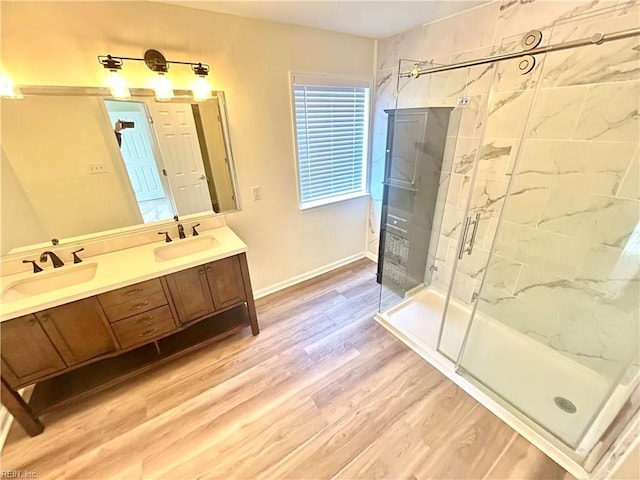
[76, 162]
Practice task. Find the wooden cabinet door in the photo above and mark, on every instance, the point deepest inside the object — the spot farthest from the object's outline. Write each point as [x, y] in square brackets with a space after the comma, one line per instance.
[27, 352]
[78, 330]
[190, 293]
[225, 282]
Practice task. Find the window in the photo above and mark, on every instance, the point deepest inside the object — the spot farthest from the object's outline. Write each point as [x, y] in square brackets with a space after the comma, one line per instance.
[331, 130]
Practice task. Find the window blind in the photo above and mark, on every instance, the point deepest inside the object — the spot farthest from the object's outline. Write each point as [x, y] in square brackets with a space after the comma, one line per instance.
[331, 132]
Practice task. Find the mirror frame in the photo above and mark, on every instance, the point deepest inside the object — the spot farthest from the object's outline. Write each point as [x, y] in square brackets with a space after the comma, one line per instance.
[186, 95]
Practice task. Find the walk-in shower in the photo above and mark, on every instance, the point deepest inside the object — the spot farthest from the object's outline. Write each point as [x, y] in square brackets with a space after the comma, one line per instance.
[531, 278]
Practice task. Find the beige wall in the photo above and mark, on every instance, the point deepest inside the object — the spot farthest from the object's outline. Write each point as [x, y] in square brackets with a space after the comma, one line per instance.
[56, 43]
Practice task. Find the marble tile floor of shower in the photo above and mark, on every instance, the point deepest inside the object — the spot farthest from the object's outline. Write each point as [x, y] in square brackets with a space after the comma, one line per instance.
[527, 374]
[323, 391]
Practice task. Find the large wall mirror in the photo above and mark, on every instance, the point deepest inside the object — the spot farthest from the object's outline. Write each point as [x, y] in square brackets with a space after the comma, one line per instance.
[77, 162]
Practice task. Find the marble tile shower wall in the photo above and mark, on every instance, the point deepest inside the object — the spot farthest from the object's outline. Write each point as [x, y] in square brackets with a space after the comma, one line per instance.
[567, 236]
[566, 268]
[463, 36]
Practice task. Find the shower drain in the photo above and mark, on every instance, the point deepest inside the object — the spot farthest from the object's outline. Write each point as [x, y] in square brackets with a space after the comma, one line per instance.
[565, 405]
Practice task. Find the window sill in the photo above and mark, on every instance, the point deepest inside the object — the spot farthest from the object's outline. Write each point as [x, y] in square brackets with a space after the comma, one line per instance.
[329, 201]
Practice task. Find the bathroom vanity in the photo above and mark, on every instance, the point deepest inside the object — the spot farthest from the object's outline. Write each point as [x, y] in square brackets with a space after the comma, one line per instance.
[117, 315]
[134, 301]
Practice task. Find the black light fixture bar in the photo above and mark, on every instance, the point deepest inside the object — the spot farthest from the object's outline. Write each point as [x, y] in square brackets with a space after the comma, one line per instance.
[154, 60]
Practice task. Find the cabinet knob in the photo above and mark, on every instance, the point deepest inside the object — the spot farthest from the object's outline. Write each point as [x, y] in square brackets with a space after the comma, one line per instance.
[201, 271]
[209, 269]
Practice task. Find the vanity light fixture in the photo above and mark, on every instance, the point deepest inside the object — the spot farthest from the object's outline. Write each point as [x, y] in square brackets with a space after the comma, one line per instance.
[157, 63]
[162, 87]
[8, 89]
[116, 83]
[118, 86]
[201, 89]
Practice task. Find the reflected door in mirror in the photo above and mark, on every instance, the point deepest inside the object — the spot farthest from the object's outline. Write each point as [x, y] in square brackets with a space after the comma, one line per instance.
[180, 149]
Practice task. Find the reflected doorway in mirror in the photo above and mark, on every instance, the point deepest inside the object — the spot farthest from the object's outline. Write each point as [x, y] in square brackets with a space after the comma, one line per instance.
[141, 158]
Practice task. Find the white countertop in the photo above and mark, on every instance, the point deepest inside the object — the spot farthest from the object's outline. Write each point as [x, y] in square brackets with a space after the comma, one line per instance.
[118, 269]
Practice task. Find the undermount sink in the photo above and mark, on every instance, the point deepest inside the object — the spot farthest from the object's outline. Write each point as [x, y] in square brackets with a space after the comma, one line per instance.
[181, 248]
[48, 281]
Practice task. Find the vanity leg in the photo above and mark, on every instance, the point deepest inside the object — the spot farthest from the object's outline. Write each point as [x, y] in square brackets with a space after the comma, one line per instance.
[17, 407]
[248, 294]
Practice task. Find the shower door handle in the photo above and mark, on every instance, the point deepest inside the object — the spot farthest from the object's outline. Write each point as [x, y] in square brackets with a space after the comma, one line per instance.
[473, 234]
[463, 240]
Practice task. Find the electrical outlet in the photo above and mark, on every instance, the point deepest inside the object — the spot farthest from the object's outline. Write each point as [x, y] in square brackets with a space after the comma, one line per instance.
[256, 193]
[96, 168]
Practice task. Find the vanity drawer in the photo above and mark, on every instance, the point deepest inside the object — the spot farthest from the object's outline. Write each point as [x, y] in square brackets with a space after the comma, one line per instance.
[130, 293]
[144, 327]
[135, 306]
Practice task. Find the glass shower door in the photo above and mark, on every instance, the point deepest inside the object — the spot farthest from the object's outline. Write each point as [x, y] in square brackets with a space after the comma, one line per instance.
[555, 332]
[435, 207]
[483, 168]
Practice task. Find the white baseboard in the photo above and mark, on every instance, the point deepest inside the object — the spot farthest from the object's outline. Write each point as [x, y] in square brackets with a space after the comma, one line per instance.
[371, 256]
[263, 292]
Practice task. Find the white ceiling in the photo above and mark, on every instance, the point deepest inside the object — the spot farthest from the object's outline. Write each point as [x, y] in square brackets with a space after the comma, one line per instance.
[375, 19]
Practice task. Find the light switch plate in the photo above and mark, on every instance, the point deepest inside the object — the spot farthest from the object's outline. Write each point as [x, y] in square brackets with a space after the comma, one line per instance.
[256, 193]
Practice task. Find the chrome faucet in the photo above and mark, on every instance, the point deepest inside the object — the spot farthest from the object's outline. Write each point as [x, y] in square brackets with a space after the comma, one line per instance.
[57, 263]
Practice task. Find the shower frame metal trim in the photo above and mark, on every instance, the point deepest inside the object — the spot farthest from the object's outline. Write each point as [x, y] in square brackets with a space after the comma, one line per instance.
[595, 39]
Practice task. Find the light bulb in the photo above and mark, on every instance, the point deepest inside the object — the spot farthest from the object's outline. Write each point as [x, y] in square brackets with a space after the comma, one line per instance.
[201, 89]
[118, 85]
[162, 87]
[7, 88]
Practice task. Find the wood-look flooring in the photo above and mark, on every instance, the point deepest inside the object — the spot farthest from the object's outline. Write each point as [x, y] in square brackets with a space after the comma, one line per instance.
[322, 392]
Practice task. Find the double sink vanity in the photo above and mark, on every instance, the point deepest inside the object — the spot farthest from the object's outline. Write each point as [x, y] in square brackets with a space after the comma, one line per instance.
[133, 301]
[82, 327]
